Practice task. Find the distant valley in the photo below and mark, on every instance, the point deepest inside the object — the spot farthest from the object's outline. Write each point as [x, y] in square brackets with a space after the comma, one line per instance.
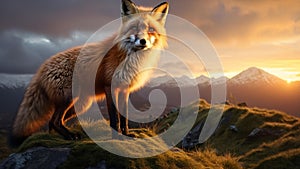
[253, 86]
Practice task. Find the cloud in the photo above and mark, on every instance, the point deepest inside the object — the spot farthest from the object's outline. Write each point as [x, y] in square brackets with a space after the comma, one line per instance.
[234, 21]
[24, 52]
[59, 18]
[242, 22]
[32, 30]
[55, 17]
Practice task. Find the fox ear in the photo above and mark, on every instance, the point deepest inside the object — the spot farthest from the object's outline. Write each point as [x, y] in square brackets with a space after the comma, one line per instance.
[161, 12]
[128, 8]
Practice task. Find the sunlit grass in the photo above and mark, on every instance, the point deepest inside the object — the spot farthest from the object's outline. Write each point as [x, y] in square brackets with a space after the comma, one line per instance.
[225, 149]
[86, 153]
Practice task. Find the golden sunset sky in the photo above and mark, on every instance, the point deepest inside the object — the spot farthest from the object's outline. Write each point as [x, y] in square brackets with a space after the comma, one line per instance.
[264, 34]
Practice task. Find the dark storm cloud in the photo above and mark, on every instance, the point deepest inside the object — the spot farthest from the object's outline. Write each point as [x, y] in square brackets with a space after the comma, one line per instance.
[13, 56]
[31, 31]
[23, 52]
[57, 17]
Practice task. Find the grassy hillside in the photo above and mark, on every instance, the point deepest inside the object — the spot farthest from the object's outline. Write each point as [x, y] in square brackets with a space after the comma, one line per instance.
[245, 138]
[86, 153]
[275, 145]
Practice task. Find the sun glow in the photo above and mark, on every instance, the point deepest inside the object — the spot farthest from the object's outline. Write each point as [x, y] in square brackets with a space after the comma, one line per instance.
[284, 73]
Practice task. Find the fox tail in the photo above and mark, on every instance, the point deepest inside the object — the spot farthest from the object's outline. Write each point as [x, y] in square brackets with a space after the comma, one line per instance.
[34, 112]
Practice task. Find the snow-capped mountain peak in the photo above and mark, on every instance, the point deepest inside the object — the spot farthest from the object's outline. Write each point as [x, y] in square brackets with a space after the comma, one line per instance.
[219, 80]
[172, 81]
[185, 81]
[158, 81]
[255, 75]
[202, 79]
[14, 80]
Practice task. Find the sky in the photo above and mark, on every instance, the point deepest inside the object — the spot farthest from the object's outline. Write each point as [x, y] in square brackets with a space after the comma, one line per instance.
[264, 34]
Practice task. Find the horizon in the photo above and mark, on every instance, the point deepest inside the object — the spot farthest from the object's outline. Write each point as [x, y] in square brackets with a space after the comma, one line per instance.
[231, 75]
[228, 75]
[279, 73]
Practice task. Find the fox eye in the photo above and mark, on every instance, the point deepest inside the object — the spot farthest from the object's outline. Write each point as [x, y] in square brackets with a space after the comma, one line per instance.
[151, 29]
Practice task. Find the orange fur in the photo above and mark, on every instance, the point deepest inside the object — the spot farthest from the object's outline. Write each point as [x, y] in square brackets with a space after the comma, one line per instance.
[48, 97]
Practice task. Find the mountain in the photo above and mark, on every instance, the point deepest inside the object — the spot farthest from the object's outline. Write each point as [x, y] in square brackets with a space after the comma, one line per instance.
[252, 76]
[12, 88]
[14, 81]
[176, 81]
[259, 88]
[253, 86]
[202, 79]
[256, 76]
[186, 81]
[159, 80]
[219, 80]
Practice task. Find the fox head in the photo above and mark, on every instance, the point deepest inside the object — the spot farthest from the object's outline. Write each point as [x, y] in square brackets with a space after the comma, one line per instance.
[142, 28]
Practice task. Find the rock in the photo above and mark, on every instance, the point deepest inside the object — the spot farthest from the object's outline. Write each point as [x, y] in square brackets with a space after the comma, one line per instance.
[243, 104]
[101, 165]
[233, 128]
[38, 157]
[260, 132]
[227, 102]
[174, 110]
[255, 132]
[192, 138]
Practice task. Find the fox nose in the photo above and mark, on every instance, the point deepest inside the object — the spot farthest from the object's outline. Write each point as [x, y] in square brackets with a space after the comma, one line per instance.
[143, 42]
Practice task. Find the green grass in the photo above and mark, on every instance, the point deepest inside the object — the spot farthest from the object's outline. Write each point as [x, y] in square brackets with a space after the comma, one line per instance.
[257, 152]
[224, 149]
[85, 153]
[285, 149]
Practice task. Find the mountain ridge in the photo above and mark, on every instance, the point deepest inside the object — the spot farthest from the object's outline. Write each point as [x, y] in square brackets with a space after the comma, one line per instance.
[251, 75]
[14, 80]
[267, 92]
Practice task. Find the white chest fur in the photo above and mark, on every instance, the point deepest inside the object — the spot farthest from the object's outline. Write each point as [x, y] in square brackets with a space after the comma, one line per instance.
[136, 69]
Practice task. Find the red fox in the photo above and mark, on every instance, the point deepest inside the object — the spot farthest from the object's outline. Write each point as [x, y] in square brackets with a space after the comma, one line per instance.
[48, 97]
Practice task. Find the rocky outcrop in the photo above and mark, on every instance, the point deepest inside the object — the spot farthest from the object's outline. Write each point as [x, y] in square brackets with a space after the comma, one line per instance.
[192, 138]
[261, 132]
[38, 157]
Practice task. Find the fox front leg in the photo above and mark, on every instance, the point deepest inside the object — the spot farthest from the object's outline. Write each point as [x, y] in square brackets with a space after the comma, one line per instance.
[123, 96]
[114, 116]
